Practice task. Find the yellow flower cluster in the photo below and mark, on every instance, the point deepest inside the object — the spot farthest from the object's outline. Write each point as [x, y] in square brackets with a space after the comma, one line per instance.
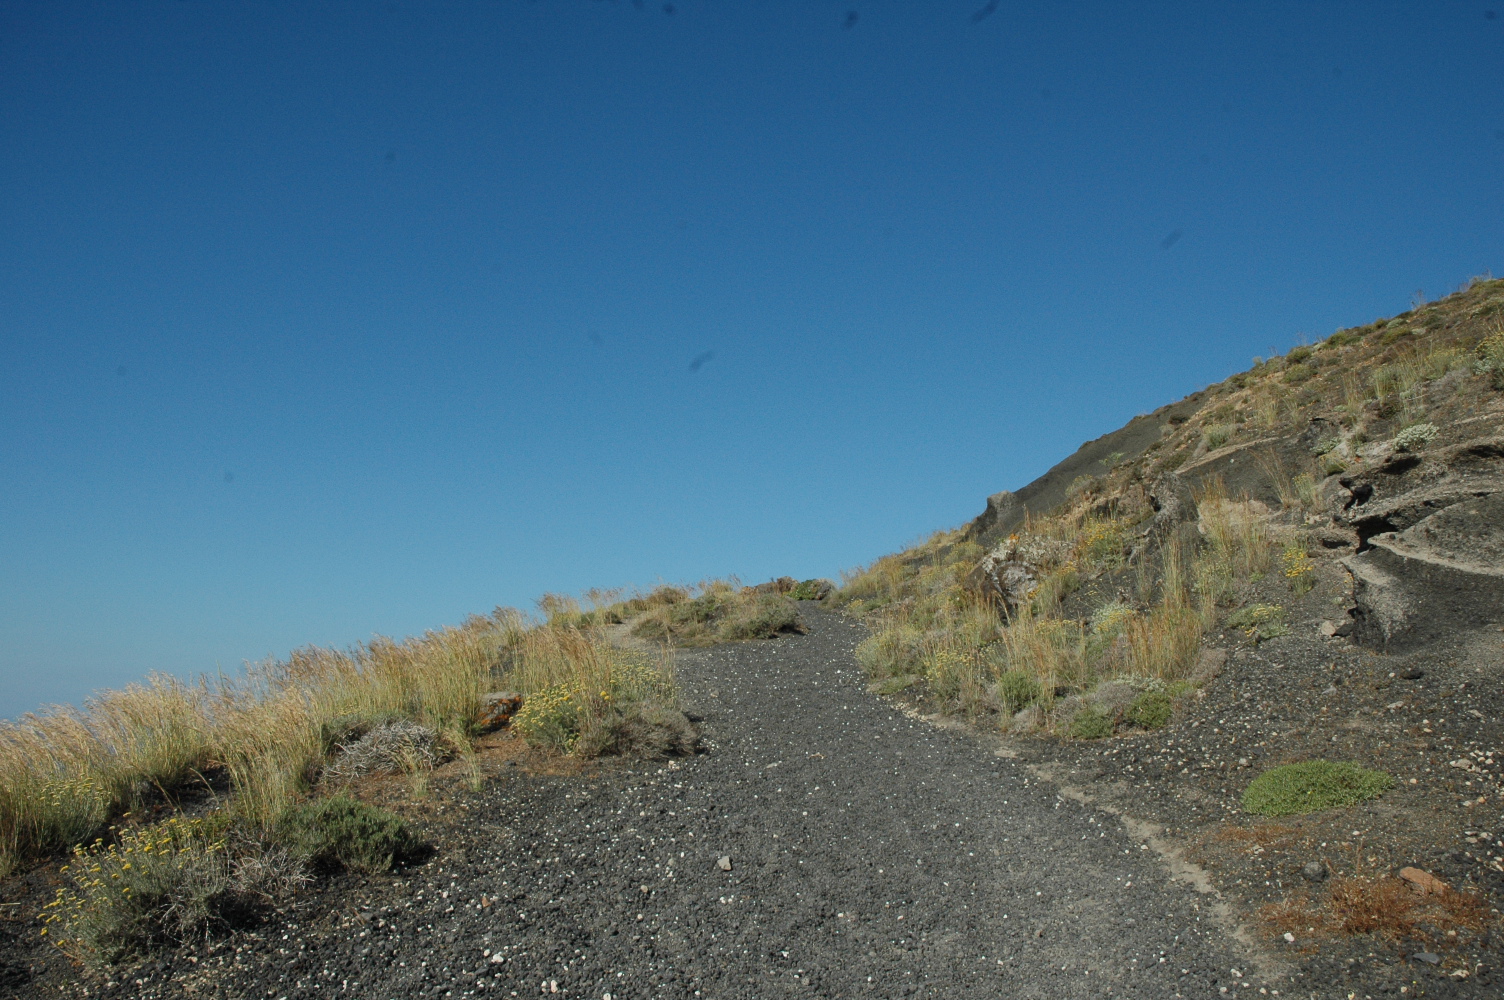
[123, 868]
[947, 659]
[551, 716]
[1054, 627]
[1298, 563]
[1099, 540]
[1112, 618]
[71, 790]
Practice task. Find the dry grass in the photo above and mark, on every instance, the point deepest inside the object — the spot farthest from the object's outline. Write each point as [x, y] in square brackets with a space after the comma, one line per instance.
[65, 772]
[929, 627]
[1384, 907]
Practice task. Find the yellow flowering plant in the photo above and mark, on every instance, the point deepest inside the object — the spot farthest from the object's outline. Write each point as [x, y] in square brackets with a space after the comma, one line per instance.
[149, 884]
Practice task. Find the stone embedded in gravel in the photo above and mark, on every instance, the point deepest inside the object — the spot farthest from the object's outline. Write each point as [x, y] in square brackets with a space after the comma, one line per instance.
[1413, 674]
[1314, 870]
[1423, 882]
[724, 862]
[1429, 957]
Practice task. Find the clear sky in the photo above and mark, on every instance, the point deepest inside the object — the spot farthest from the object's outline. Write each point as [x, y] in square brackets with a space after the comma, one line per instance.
[324, 320]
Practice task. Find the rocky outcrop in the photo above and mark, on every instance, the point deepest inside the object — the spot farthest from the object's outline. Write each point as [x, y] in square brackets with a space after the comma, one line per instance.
[1008, 575]
[1006, 512]
[1430, 559]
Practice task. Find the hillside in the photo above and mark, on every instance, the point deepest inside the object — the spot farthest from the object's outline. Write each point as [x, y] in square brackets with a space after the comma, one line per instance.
[1304, 562]
[1213, 705]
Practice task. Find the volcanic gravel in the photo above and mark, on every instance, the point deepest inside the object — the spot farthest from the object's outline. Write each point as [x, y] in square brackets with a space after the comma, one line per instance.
[870, 854]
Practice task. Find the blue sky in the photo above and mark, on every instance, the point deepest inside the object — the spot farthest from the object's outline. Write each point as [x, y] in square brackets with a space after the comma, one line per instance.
[322, 321]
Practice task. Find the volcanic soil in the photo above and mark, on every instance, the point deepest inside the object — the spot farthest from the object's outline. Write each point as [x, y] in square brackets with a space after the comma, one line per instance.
[826, 843]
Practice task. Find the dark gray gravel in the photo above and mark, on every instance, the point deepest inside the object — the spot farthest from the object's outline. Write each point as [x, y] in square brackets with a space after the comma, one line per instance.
[872, 855]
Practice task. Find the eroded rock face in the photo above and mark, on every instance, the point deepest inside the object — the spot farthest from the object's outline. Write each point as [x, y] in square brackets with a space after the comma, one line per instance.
[1004, 511]
[1430, 559]
[1008, 575]
[1174, 506]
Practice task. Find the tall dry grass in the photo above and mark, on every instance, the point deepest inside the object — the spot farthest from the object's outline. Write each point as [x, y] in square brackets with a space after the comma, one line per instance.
[926, 626]
[65, 772]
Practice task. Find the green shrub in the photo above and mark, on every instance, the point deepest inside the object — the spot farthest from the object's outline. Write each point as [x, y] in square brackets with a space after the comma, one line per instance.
[1342, 338]
[1296, 374]
[1150, 710]
[810, 590]
[1017, 690]
[343, 831]
[893, 651]
[766, 616]
[1298, 354]
[1091, 723]
[1312, 785]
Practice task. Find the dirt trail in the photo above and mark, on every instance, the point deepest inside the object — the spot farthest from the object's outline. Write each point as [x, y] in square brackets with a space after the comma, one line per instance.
[871, 855]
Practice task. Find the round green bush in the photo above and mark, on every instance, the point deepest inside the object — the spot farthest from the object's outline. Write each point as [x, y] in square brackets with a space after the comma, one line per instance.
[1150, 710]
[343, 831]
[1312, 785]
[1091, 723]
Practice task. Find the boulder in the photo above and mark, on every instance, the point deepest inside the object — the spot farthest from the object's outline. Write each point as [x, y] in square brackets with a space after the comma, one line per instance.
[1175, 517]
[497, 709]
[1008, 575]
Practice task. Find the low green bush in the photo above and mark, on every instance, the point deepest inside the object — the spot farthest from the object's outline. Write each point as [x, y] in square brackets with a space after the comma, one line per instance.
[342, 831]
[1296, 374]
[764, 617]
[1415, 436]
[1091, 723]
[1216, 435]
[893, 651]
[810, 590]
[1150, 710]
[1311, 785]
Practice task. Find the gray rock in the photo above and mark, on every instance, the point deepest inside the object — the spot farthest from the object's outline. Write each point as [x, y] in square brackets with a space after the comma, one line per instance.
[1004, 512]
[1442, 575]
[1314, 870]
[1009, 573]
[1429, 957]
[724, 862]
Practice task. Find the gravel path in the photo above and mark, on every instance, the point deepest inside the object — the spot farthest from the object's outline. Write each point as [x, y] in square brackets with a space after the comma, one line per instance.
[871, 855]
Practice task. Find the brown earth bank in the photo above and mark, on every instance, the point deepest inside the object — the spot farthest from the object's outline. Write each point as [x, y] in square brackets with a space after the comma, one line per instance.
[828, 843]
